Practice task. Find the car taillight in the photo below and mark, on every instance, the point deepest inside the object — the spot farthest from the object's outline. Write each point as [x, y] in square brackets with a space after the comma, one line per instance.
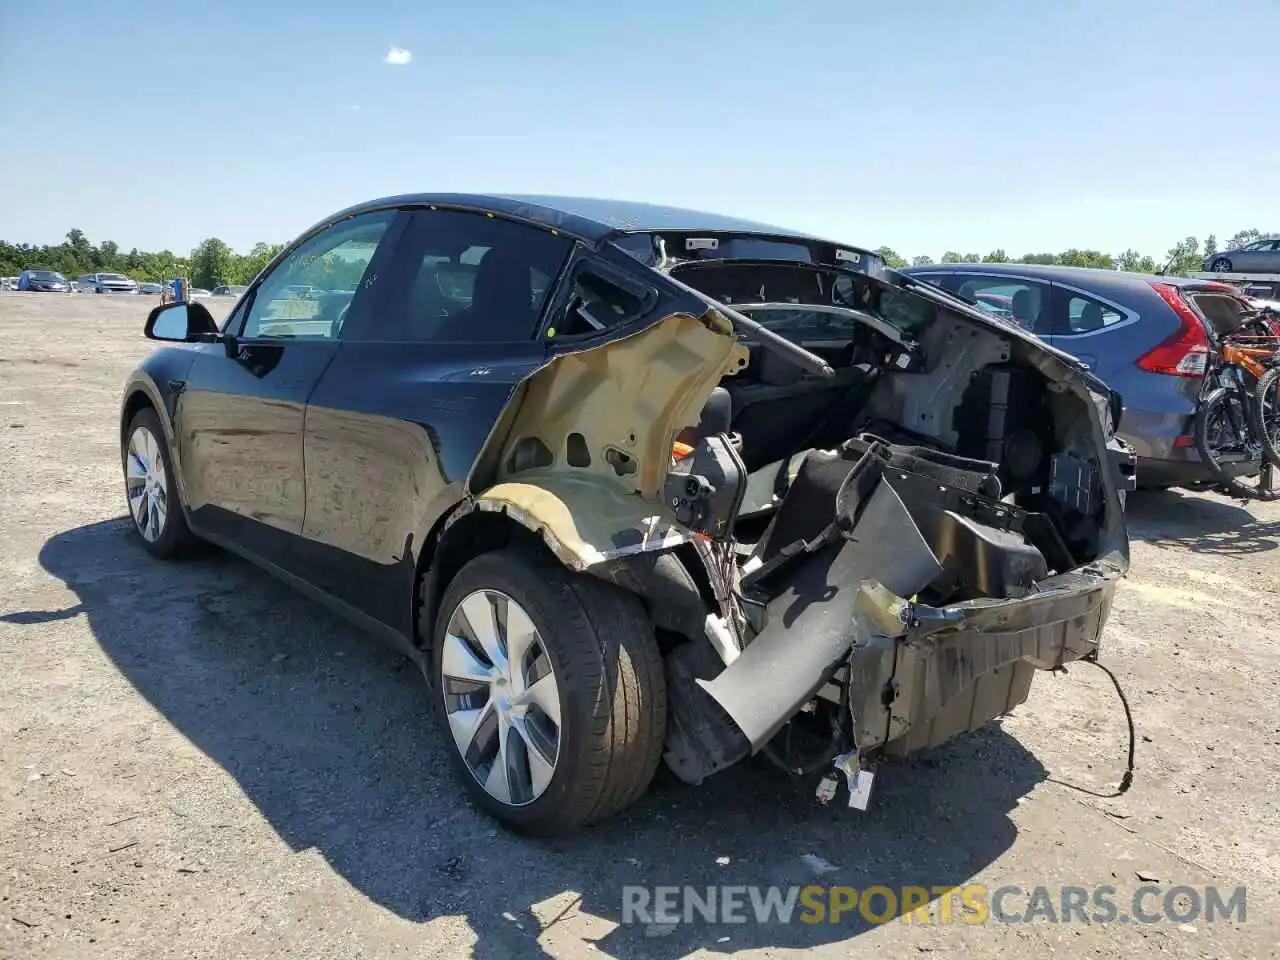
[1186, 352]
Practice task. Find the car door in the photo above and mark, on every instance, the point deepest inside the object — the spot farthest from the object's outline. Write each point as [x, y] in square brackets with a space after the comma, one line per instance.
[240, 414]
[400, 415]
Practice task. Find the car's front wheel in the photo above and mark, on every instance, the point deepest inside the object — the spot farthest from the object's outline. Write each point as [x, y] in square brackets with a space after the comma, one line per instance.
[1221, 265]
[150, 489]
[550, 687]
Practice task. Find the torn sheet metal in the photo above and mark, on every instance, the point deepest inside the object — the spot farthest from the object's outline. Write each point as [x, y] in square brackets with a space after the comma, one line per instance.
[812, 623]
[584, 522]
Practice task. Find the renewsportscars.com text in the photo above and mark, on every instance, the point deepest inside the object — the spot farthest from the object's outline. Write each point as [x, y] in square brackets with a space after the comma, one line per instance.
[969, 903]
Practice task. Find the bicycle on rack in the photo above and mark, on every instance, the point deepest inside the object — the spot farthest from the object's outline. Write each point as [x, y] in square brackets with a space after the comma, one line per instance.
[1237, 423]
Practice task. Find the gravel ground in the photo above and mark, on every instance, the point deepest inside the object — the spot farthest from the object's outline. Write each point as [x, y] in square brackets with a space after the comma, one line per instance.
[195, 761]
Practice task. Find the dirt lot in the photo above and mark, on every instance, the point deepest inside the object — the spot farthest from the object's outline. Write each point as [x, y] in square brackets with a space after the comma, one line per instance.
[195, 761]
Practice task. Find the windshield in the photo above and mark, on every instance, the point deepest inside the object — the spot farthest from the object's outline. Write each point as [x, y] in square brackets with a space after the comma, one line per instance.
[112, 276]
[45, 275]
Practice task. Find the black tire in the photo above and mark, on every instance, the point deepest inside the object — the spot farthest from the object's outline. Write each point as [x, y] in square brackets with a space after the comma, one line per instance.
[609, 672]
[1266, 413]
[1232, 470]
[1221, 265]
[175, 538]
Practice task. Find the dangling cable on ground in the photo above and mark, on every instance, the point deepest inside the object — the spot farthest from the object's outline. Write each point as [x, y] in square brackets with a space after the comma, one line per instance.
[1127, 780]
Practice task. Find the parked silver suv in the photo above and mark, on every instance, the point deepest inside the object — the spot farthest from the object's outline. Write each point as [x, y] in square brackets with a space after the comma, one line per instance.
[106, 283]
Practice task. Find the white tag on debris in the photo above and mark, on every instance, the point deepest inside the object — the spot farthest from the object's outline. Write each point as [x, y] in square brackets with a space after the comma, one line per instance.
[860, 789]
[859, 779]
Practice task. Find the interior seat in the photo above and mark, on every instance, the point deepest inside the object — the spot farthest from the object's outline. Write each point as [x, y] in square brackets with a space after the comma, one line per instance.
[716, 417]
[424, 313]
[1024, 311]
[1090, 319]
[501, 300]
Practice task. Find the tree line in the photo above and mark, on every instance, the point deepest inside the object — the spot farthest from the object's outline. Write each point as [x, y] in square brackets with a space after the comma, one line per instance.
[1182, 258]
[212, 263]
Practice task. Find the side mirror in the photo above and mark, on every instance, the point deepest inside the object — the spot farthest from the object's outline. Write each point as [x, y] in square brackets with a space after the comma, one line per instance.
[181, 322]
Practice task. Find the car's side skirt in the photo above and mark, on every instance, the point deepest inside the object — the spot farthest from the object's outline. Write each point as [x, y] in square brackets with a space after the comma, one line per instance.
[356, 617]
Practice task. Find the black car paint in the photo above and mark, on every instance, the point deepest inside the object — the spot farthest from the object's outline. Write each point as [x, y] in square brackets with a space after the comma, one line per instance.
[246, 419]
[421, 412]
[325, 408]
[240, 423]
[317, 413]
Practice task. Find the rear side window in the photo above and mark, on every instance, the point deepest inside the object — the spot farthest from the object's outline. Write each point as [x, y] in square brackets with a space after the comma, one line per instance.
[466, 278]
[1086, 314]
[596, 303]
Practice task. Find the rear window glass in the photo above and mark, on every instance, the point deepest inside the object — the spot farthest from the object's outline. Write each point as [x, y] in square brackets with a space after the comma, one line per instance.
[1222, 310]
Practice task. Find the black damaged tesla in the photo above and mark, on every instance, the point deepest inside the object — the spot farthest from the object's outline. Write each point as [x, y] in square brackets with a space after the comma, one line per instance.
[632, 483]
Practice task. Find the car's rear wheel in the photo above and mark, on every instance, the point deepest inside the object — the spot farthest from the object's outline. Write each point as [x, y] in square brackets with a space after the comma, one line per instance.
[150, 489]
[1221, 265]
[550, 688]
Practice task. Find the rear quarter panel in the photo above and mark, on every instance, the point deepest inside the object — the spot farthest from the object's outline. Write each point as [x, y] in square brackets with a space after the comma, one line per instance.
[1157, 408]
[392, 430]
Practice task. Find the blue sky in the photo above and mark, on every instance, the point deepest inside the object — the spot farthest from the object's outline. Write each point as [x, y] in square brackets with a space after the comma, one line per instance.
[922, 125]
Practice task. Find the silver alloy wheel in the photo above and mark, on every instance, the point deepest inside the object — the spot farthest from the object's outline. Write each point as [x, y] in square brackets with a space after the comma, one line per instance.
[145, 483]
[501, 697]
[1221, 266]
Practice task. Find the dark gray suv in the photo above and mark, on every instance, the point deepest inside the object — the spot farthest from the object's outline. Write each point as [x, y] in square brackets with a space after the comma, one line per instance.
[1148, 337]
